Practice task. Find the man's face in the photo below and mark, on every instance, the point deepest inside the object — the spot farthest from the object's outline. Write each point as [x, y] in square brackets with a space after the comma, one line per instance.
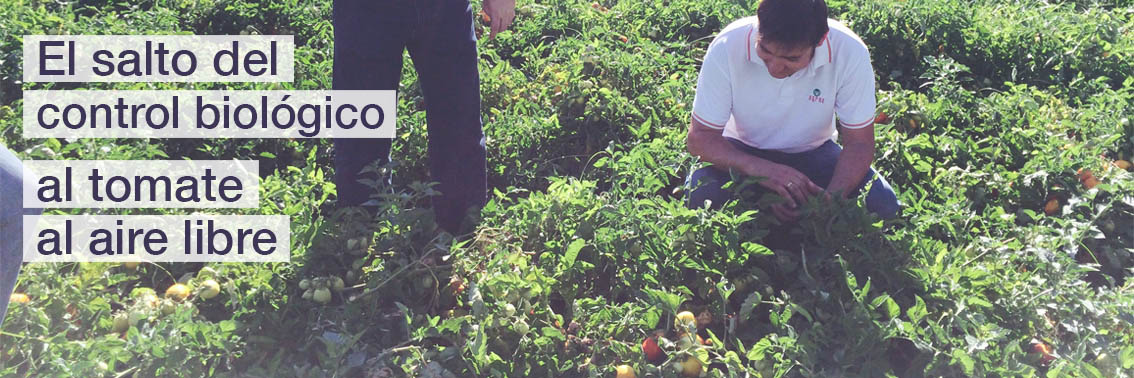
[782, 60]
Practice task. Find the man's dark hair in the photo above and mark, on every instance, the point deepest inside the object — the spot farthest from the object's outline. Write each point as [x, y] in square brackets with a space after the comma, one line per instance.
[794, 23]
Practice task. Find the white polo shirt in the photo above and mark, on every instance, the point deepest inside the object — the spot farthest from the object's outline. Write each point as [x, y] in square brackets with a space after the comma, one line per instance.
[736, 93]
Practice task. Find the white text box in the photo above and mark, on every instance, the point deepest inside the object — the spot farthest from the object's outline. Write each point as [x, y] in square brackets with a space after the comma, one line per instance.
[157, 238]
[159, 58]
[209, 114]
[142, 184]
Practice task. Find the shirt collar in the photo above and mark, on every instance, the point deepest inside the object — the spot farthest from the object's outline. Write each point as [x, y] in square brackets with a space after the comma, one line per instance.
[823, 53]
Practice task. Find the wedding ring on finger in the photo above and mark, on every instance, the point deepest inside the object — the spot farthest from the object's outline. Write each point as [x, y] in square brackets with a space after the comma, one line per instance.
[789, 184]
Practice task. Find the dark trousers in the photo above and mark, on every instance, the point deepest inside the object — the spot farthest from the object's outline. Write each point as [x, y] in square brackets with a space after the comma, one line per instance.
[370, 36]
[818, 164]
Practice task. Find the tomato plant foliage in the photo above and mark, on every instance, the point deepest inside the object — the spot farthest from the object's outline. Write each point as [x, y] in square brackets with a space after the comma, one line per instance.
[586, 249]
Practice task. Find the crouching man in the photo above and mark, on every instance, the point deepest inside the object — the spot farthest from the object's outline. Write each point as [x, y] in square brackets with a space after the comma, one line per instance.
[770, 92]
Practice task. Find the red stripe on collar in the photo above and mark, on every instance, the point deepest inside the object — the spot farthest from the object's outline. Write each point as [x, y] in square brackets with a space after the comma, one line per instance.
[827, 40]
[750, 42]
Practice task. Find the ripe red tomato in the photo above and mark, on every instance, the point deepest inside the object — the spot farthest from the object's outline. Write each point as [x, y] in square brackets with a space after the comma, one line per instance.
[882, 118]
[1044, 351]
[653, 353]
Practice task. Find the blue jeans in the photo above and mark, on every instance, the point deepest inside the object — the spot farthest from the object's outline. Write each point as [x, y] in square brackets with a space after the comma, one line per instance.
[11, 224]
[370, 36]
[818, 165]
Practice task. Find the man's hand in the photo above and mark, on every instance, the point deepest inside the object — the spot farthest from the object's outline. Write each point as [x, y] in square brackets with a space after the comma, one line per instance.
[785, 181]
[790, 184]
[785, 213]
[501, 13]
[710, 145]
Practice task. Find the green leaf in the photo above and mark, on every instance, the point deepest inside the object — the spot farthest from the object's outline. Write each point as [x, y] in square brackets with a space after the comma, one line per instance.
[644, 130]
[480, 345]
[918, 311]
[1057, 371]
[977, 301]
[668, 301]
[572, 252]
[852, 282]
[1127, 357]
[725, 288]
[552, 332]
[749, 304]
[865, 290]
[759, 351]
[892, 308]
[651, 317]
[1094, 372]
[756, 249]
[959, 356]
[796, 308]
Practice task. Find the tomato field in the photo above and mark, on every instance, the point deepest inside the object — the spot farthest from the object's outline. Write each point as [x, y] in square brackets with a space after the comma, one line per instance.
[1004, 126]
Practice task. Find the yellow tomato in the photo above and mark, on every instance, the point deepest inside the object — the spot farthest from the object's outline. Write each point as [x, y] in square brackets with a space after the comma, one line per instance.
[691, 367]
[18, 298]
[624, 371]
[177, 292]
[684, 321]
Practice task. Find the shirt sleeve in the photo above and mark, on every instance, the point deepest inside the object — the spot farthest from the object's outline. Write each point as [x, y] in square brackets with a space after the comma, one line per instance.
[854, 102]
[712, 104]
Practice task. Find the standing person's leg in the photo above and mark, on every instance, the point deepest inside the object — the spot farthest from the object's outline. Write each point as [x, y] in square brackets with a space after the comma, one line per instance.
[11, 224]
[445, 56]
[369, 39]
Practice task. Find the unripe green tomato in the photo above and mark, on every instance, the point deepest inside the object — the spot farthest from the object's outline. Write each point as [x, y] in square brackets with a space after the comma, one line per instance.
[121, 322]
[321, 295]
[209, 289]
[1106, 363]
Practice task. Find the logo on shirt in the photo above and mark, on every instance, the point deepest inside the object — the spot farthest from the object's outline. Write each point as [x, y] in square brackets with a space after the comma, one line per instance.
[815, 96]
